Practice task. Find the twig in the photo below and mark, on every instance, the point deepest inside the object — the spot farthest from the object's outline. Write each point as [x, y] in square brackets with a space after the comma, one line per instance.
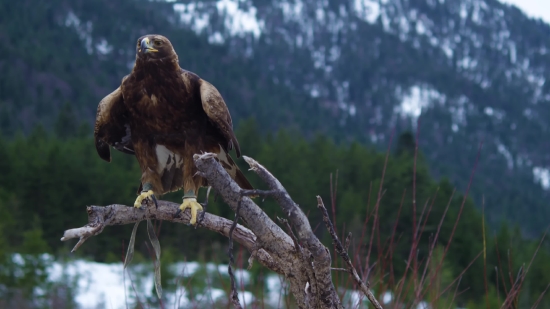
[262, 193]
[454, 294]
[234, 293]
[459, 212]
[204, 206]
[516, 288]
[348, 241]
[340, 249]
[291, 233]
[536, 304]
[459, 275]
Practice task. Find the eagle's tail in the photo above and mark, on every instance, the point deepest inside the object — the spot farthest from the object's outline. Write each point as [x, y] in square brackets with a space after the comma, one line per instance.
[233, 170]
[242, 181]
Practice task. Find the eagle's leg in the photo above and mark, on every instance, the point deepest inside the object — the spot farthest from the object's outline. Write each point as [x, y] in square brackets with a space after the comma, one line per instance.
[146, 193]
[191, 185]
[190, 201]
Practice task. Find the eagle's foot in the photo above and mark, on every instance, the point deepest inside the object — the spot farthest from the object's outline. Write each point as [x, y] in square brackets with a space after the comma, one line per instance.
[192, 204]
[190, 201]
[146, 194]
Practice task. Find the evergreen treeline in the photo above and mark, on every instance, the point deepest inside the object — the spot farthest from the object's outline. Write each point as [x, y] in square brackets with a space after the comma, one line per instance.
[47, 181]
[62, 53]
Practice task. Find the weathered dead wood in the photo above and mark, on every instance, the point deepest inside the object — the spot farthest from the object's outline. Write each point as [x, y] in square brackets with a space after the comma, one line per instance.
[319, 253]
[100, 217]
[301, 257]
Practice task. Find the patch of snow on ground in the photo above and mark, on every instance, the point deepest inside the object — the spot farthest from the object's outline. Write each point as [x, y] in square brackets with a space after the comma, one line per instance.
[423, 305]
[276, 286]
[97, 283]
[101, 285]
[542, 176]
[104, 285]
[387, 297]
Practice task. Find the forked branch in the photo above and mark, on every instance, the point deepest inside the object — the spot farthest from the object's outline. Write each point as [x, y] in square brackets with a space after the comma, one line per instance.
[300, 257]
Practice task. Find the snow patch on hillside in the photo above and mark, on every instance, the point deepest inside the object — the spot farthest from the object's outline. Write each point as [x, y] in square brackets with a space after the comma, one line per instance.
[507, 155]
[454, 37]
[368, 10]
[237, 20]
[83, 29]
[417, 98]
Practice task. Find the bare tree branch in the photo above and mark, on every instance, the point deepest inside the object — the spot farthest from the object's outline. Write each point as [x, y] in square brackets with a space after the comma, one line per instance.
[271, 237]
[320, 253]
[301, 257]
[100, 217]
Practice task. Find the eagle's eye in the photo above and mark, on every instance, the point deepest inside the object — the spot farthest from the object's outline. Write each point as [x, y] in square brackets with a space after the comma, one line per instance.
[157, 43]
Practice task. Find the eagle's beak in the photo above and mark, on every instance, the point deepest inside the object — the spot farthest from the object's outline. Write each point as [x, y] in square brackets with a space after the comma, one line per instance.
[146, 46]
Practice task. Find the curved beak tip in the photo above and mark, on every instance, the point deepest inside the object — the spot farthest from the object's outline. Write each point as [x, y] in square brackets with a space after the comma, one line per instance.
[146, 46]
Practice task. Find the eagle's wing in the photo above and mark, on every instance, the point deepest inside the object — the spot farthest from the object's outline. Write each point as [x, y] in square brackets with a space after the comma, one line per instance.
[214, 106]
[111, 126]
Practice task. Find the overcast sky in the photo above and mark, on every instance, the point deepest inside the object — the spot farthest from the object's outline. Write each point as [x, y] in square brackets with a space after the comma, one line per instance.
[533, 8]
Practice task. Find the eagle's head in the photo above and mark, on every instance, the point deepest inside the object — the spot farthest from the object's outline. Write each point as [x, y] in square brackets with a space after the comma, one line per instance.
[154, 47]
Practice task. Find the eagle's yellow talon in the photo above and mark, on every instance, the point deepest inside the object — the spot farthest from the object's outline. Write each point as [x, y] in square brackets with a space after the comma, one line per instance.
[144, 195]
[192, 204]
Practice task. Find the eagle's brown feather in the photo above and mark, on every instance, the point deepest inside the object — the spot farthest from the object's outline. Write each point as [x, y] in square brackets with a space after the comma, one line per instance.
[214, 106]
[166, 115]
[111, 126]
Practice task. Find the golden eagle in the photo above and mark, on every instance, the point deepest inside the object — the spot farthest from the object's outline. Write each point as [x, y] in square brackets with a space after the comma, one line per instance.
[164, 115]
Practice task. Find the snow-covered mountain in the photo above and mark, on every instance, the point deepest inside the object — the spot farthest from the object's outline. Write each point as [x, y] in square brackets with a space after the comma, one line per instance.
[473, 71]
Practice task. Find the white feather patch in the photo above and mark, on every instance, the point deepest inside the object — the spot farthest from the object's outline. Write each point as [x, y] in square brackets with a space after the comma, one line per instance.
[167, 159]
[230, 168]
[154, 99]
